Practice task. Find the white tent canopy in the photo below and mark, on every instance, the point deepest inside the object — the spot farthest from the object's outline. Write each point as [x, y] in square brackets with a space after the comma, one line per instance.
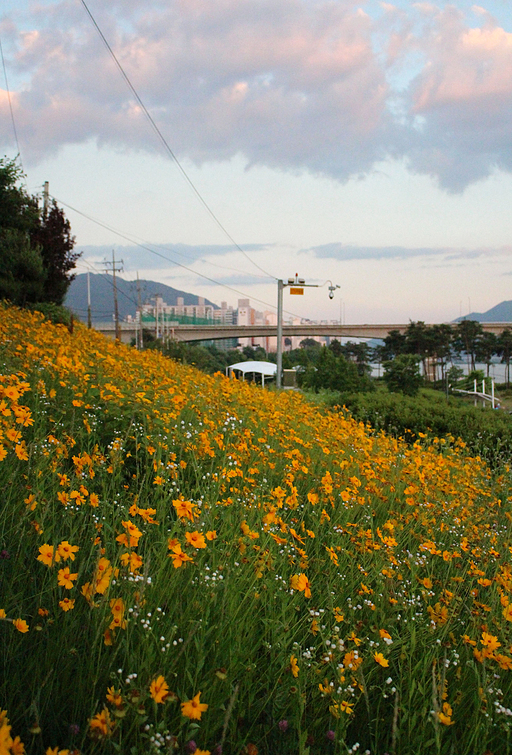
[261, 368]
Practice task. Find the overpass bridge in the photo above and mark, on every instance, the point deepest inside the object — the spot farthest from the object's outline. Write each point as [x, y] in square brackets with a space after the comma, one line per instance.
[190, 333]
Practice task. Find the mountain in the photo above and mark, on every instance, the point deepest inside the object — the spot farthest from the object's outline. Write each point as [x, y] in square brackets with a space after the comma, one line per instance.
[500, 313]
[102, 296]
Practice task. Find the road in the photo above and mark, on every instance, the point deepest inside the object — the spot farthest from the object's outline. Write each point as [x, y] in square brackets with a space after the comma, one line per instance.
[215, 332]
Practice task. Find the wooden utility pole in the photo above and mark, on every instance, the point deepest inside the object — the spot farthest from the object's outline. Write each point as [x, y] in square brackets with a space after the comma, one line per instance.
[116, 267]
[140, 337]
[46, 199]
[89, 319]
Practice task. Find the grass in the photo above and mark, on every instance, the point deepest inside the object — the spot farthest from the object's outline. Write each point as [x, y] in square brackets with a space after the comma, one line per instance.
[189, 563]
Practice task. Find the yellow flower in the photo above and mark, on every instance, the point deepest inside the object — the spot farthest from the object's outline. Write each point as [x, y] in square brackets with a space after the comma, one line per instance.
[17, 747]
[507, 612]
[21, 451]
[193, 709]
[65, 550]
[67, 604]
[178, 556]
[65, 578]
[46, 555]
[379, 658]
[301, 582]
[489, 641]
[196, 539]
[114, 697]
[21, 625]
[438, 614]
[184, 509]
[445, 716]
[159, 689]
[294, 666]
[101, 724]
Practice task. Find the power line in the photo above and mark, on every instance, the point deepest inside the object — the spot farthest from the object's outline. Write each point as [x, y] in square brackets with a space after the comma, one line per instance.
[107, 278]
[10, 105]
[167, 146]
[163, 256]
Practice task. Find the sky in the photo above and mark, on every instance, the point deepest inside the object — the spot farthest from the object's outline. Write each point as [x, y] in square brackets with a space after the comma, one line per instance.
[364, 143]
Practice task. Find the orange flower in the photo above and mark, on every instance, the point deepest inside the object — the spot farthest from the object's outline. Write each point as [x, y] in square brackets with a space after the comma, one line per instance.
[65, 578]
[114, 697]
[301, 582]
[101, 724]
[46, 555]
[67, 604]
[193, 709]
[65, 550]
[184, 509]
[21, 625]
[294, 666]
[379, 658]
[445, 716]
[507, 613]
[196, 539]
[159, 689]
[178, 556]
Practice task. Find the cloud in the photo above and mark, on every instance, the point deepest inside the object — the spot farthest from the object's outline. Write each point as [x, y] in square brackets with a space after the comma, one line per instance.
[463, 97]
[181, 255]
[286, 83]
[300, 85]
[347, 252]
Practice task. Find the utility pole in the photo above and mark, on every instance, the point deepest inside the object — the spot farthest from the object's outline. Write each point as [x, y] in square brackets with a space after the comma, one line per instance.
[297, 286]
[89, 319]
[140, 338]
[116, 267]
[46, 199]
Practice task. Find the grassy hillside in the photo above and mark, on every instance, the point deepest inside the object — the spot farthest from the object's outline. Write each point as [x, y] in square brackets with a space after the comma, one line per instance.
[192, 564]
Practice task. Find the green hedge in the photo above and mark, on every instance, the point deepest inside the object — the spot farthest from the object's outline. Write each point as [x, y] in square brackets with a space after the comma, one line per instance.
[487, 432]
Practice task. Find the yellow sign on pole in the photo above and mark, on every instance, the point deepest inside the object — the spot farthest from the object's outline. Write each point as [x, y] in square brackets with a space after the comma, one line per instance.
[297, 291]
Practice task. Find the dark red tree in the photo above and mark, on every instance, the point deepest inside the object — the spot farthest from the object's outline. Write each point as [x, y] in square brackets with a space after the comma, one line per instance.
[52, 235]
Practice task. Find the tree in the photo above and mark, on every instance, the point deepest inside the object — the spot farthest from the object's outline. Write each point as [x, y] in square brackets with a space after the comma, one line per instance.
[52, 235]
[360, 353]
[21, 268]
[486, 347]
[336, 347]
[333, 372]
[418, 342]
[402, 374]
[18, 210]
[36, 249]
[440, 345]
[505, 350]
[395, 343]
[466, 339]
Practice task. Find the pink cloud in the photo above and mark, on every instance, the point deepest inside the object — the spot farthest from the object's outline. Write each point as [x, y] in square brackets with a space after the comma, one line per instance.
[292, 84]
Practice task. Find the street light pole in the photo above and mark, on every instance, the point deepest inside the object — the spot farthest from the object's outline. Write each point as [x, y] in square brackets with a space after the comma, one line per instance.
[280, 286]
[297, 286]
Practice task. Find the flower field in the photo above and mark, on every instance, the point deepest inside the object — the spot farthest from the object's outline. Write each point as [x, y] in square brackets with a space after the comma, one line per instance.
[194, 564]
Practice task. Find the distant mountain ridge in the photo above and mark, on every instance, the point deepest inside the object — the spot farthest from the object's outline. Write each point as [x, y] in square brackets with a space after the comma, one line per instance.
[102, 296]
[500, 313]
